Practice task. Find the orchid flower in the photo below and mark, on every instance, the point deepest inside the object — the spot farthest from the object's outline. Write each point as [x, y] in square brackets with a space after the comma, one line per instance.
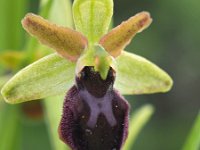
[90, 64]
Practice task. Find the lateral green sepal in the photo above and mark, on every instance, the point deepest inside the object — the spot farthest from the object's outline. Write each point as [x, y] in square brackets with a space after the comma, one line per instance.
[137, 75]
[51, 75]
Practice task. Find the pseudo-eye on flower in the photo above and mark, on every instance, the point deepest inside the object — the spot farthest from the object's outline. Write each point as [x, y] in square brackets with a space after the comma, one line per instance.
[91, 65]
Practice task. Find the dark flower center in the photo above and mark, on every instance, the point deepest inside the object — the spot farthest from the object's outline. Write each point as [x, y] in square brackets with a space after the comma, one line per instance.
[93, 83]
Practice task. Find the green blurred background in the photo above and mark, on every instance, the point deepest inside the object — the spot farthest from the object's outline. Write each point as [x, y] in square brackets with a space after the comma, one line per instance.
[172, 42]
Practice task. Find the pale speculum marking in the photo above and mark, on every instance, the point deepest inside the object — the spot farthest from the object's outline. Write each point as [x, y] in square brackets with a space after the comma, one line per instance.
[99, 106]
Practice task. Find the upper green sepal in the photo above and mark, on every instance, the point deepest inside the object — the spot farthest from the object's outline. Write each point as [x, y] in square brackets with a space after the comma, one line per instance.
[92, 17]
[51, 75]
[137, 75]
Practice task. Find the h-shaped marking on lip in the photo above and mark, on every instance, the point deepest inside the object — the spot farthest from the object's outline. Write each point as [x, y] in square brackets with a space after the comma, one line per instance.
[99, 105]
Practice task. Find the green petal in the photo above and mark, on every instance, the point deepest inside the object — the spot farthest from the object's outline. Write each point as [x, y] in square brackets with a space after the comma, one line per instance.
[51, 75]
[92, 17]
[137, 75]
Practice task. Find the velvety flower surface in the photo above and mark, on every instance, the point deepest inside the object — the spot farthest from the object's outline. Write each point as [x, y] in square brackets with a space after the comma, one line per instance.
[92, 66]
[95, 116]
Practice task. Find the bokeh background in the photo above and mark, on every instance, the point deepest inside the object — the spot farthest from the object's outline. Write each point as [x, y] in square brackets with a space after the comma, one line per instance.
[172, 42]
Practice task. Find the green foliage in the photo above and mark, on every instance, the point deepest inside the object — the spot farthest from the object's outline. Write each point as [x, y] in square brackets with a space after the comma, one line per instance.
[193, 140]
[139, 118]
[53, 110]
[11, 13]
[11, 37]
[9, 127]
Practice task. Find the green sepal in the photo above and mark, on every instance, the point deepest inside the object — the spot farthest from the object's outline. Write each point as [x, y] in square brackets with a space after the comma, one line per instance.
[3, 80]
[137, 75]
[51, 75]
[92, 17]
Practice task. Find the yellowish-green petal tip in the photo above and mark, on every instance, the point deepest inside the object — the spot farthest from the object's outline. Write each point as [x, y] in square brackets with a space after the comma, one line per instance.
[5, 94]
